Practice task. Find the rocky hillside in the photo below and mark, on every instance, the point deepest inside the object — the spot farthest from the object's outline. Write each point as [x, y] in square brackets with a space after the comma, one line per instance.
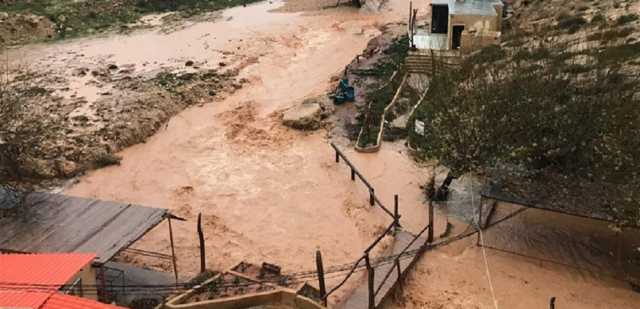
[606, 31]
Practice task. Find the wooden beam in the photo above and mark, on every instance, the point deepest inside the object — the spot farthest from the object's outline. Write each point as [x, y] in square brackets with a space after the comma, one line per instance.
[202, 251]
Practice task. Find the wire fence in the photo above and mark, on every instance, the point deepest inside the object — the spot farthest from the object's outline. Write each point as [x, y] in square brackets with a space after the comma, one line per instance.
[345, 271]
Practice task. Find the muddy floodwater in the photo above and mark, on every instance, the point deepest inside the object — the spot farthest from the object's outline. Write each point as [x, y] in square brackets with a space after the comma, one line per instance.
[269, 193]
[266, 193]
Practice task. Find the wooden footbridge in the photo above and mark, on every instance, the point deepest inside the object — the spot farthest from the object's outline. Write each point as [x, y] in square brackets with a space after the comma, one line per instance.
[385, 273]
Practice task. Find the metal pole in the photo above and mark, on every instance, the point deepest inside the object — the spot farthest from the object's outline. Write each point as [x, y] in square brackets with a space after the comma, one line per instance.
[321, 283]
[202, 252]
[173, 251]
[371, 277]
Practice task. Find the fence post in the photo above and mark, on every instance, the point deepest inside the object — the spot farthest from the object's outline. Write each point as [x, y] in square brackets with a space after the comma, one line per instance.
[201, 237]
[399, 272]
[321, 283]
[371, 277]
[173, 251]
[372, 196]
[430, 232]
[479, 223]
[396, 215]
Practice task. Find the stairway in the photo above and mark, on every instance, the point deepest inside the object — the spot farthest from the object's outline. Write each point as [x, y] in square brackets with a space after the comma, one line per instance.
[426, 63]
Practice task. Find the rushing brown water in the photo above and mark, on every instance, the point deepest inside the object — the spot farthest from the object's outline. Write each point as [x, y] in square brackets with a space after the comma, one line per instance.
[268, 193]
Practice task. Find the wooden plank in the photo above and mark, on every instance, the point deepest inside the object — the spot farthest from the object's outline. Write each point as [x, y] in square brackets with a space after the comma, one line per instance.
[359, 298]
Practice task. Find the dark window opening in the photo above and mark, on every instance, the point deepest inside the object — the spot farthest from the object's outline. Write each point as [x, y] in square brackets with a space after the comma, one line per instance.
[457, 37]
[439, 18]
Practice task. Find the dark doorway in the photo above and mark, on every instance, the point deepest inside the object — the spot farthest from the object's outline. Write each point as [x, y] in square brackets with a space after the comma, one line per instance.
[439, 18]
[457, 37]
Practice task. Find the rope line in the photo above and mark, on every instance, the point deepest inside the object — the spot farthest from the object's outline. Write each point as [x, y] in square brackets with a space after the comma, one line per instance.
[484, 252]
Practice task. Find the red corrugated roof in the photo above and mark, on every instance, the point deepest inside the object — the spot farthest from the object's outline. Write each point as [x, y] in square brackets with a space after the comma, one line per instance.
[53, 300]
[13, 299]
[61, 301]
[53, 269]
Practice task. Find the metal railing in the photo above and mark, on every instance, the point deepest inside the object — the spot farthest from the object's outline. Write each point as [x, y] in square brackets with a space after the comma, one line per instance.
[373, 291]
[373, 199]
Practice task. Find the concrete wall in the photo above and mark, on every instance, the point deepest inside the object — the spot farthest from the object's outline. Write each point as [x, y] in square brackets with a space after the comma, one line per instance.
[479, 26]
[277, 297]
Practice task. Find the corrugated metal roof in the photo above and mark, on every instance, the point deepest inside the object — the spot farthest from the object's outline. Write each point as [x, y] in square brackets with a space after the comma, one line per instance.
[474, 7]
[61, 301]
[59, 223]
[41, 300]
[48, 269]
[13, 299]
[470, 7]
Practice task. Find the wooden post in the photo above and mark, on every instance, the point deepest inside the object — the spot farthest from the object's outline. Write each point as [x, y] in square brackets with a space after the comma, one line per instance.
[433, 64]
[371, 197]
[173, 251]
[480, 215]
[371, 277]
[321, 283]
[430, 232]
[409, 24]
[478, 225]
[202, 252]
[399, 272]
[396, 215]
[353, 174]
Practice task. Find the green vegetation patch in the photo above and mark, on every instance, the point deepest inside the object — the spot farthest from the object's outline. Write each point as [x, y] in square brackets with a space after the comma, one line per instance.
[577, 122]
[378, 99]
[571, 23]
[628, 18]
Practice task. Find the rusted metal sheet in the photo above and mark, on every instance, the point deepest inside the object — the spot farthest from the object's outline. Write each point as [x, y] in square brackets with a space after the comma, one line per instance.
[59, 223]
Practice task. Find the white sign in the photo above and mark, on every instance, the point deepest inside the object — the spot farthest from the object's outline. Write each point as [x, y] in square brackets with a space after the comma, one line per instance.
[419, 127]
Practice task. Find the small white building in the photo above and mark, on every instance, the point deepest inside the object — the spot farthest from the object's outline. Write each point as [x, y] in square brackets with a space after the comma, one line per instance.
[463, 25]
